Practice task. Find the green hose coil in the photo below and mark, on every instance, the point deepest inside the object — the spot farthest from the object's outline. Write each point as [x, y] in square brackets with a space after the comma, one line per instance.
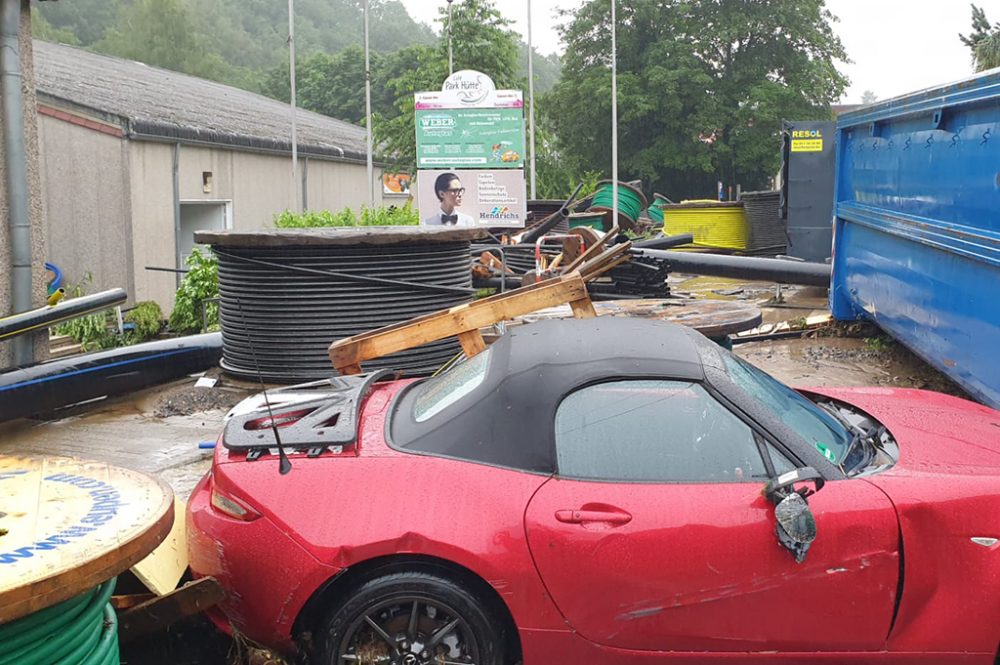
[594, 220]
[655, 210]
[631, 202]
[79, 631]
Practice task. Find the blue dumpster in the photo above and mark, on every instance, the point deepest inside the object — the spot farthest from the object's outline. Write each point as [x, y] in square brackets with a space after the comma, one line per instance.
[917, 226]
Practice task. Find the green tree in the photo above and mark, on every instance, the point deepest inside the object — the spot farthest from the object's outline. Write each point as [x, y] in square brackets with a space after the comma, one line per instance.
[702, 87]
[42, 29]
[87, 20]
[236, 42]
[333, 85]
[481, 40]
[407, 71]
[983, 41]
[547, 69]
[162, 33]
[557, 172]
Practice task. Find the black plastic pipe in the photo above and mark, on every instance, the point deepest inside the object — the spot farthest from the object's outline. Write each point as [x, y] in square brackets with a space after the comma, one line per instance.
[744, 267]
[47, 386]
[43, 317]
[552, 220]
[664, 242]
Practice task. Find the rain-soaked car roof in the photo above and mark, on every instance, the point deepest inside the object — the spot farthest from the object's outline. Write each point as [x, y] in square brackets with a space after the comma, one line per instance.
[508, 418]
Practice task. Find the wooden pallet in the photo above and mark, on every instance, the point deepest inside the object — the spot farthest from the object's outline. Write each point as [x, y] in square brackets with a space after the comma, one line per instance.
[463, 321]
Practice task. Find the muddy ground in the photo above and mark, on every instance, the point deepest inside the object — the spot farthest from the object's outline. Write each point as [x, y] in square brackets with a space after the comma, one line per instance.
[158, 431]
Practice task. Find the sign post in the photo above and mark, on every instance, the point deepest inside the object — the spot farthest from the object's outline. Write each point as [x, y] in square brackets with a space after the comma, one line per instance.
[470, 154]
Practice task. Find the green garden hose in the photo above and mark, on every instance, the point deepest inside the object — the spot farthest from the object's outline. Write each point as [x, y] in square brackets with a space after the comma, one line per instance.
[631, 202]
[79, 631]
[655, 210]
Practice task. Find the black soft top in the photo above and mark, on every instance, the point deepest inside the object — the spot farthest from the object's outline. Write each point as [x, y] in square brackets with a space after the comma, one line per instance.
[508, 419]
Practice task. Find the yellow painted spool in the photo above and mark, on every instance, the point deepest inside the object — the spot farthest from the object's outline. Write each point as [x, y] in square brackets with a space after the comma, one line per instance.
[712, 223]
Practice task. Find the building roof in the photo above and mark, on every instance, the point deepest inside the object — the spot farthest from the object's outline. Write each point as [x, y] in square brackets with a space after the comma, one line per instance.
[160, 104]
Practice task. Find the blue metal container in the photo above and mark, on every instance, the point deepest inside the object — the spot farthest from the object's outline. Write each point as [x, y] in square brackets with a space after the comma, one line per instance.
[917, 226]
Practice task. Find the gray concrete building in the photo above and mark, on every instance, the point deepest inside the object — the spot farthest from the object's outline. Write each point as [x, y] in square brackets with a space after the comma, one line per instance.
[134, 159]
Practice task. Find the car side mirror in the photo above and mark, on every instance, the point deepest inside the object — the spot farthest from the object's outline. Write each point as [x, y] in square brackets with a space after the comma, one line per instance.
[780, 487]
[796, 526]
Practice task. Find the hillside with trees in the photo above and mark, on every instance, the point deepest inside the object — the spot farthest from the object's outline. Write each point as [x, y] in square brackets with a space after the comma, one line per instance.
[703, 85]
[240, 42]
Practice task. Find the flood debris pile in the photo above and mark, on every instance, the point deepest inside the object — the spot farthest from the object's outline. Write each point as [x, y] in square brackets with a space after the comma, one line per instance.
[749, 227]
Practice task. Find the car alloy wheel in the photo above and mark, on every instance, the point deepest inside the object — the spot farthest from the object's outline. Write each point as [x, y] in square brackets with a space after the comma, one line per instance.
[411, 619]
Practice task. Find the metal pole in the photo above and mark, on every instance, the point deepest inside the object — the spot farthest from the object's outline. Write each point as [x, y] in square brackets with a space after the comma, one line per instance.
[368, 116]
[614, 117]
[531, 103]
[16, 167]
[291, 79]
[451, 64]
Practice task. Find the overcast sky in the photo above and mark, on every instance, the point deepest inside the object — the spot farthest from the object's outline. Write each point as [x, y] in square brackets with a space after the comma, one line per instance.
[897, 46]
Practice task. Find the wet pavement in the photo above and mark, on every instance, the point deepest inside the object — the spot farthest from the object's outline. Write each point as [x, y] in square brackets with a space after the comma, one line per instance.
[126, 431]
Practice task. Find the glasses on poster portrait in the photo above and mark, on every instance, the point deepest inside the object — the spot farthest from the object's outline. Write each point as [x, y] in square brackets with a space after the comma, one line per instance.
[456, 190]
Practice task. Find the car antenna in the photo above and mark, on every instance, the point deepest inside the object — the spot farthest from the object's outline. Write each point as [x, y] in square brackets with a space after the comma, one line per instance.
[284, 465]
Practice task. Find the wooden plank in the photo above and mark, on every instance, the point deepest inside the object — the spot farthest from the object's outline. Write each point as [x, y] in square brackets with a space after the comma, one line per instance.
[605, 265]
[472, 342]
[593, 250]
[583, 308]
[435, 315]
[126, 601]
[348, 353]
[164, 567]
[606, 260]
[154, 616]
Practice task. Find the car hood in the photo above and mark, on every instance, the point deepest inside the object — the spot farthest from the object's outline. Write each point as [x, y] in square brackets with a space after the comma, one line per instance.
[936, 433]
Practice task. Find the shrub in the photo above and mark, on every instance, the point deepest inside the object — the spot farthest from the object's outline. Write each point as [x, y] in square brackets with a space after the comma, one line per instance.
[147, 318]
[200, 283]
[380, 216]
[90, 331]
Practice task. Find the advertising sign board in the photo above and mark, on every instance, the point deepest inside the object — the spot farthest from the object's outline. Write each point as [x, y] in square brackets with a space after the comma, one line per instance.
[471, 198]
[470, 138]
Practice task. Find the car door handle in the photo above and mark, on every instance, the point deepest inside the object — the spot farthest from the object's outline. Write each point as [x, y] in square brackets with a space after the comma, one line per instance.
[615, 517]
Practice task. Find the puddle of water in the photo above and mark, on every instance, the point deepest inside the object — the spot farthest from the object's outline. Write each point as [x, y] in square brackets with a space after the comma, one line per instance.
[124, 432]
[843, 361]
[707, 287]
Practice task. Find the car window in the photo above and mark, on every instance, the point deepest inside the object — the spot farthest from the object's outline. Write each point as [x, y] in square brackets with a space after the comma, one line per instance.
[442, 391]
[668, 431]
[812, 423]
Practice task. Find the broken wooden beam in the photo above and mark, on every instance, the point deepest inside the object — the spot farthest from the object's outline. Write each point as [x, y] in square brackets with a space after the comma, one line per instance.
[463, 321]
[155, 615]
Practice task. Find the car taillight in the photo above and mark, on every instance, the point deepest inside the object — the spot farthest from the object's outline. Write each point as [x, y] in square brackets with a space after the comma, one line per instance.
[232, 507]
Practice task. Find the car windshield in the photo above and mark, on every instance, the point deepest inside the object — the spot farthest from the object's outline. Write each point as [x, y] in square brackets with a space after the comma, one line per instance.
[439, 392]
[818, 427]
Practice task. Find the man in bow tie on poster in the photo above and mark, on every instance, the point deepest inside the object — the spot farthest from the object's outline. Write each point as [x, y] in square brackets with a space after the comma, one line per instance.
[448, 189]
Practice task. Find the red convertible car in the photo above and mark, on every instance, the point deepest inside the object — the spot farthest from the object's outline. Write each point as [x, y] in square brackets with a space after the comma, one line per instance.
[607, 490]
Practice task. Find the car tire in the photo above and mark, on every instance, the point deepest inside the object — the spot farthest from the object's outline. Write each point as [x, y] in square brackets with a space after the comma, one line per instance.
[412, 618]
